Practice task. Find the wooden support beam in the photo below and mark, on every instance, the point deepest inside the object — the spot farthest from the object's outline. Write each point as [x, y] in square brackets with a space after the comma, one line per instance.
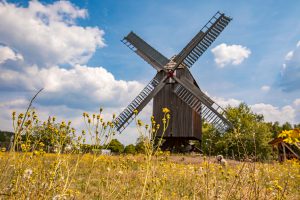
[289, 148]
[284, 153]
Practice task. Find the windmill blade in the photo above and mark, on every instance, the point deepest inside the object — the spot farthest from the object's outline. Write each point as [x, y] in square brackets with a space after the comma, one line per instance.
[143, 49]
[127, 115]
[202, 104]
[200, 43]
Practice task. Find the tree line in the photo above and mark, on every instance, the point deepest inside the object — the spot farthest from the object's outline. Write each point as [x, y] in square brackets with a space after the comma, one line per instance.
[250, 136]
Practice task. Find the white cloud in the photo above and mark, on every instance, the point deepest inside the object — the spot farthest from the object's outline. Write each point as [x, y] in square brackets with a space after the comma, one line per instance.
[93, 85]
[289, 55]
[297, 102]
[226, 102]
[20, 105]
[298, 44]
[230, 54]
[289, 79]
[47, 34]
[296, 105]
[288, 113]
[131, 133]
[14, 103]
[63, 112]
[265, 88]
[7, 107]
[49, 39]
[272, 113]
[7, 53]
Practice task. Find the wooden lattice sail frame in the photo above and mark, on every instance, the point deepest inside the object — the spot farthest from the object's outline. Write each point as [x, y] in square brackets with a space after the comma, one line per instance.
[175, 88]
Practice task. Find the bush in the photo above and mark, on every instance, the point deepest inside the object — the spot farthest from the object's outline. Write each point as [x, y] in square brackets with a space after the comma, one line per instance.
[116, 146]
[130, 149]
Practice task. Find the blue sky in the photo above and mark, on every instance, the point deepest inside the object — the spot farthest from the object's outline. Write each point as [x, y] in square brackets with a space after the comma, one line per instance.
[267, 78]
[269, 30]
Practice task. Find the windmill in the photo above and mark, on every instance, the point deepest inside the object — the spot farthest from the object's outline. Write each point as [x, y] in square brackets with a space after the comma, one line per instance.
[175, 88]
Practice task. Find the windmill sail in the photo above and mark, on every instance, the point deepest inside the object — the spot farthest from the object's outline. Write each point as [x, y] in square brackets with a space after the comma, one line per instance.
[127, 115]
[143, 49]
[186, 90]
[200, 43]
[202, 104]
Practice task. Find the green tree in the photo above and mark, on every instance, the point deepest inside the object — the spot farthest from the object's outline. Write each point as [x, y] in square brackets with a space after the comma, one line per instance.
[116, 146]
[130, 149]
[287, 126]
[52, 134]
[275, 128]
[5, 136]
[249, 137]
[140, 147]
[297, 125]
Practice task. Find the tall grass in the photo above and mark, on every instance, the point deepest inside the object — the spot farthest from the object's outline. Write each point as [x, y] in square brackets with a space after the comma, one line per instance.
[40, 166]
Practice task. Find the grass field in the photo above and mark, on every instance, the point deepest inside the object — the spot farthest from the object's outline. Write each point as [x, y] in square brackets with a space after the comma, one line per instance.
[28, 172]
[88, 176]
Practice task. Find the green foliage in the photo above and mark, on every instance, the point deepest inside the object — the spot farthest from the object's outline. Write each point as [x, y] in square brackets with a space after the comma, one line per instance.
[130, 149]
[287, 126]
[116, 146]
[52, 134]
[249, 138]
[5, 136]
[140, 147]
[276, 128]
[297, 125]
[89, 148]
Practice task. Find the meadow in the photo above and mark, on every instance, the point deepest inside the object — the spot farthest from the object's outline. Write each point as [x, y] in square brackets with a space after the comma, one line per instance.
[90, 176]
[29, 170]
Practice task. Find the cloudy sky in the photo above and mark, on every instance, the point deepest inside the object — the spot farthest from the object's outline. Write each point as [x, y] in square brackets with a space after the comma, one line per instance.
[73, 51]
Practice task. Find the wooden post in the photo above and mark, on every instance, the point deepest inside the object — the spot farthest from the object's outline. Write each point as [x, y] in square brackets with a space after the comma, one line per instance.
[291, 150]
[278, 153]
[284, 153]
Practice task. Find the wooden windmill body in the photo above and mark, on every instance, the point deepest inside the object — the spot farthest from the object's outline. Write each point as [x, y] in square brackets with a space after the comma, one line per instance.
[175, 88]
[185, 123]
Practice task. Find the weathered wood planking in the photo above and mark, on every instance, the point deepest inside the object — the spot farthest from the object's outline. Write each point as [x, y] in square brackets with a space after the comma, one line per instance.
[185, 123]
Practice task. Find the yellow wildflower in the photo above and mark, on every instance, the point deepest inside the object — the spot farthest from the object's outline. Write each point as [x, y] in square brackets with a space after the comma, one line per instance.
[165, 110]
[139, 122]
[168, 116]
